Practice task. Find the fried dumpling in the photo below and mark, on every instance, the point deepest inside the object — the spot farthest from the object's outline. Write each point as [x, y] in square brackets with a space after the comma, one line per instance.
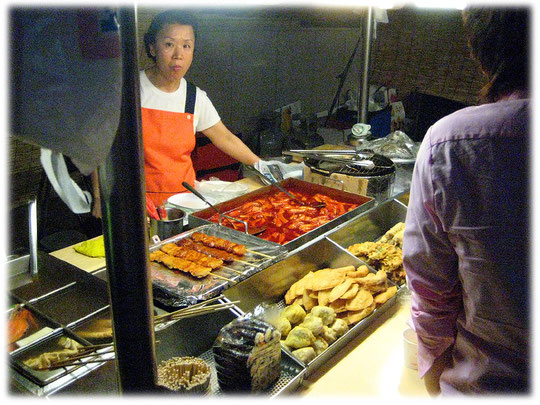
[294, 313]
[305, 354]
[299, 337]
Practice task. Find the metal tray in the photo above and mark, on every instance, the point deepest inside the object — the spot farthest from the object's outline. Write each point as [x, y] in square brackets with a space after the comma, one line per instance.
[175, 289]
[201, 217]
[44, 382]
[192, 337]
[270, 286]
[53, 275]
[371, 225]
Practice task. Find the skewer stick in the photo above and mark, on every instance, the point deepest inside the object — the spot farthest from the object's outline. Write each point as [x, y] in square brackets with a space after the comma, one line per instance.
[234, 270]
[83, 356]
[200, 304]
[223, 278]
[259, 253]
[243, 262]
[194, 311]
[94, 347]
[75, 363]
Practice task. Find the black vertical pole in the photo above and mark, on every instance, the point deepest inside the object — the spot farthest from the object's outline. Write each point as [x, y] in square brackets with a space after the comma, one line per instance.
[122, 199]
[366, 60]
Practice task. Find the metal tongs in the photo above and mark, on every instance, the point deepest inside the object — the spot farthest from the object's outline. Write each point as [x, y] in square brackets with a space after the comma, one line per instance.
[358, 157]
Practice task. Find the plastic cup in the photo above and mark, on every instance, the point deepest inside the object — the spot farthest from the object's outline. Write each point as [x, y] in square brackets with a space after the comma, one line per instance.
[410, 342]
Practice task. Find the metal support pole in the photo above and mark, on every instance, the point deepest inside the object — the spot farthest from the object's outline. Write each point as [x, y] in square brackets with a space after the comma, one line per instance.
[124, 228]
[366, 59]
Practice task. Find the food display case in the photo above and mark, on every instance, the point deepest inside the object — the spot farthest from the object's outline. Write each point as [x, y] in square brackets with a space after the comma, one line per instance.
[53, 302]
[261, 281]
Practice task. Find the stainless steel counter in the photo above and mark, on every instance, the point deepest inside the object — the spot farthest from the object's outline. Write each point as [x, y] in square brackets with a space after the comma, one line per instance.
[195, 336]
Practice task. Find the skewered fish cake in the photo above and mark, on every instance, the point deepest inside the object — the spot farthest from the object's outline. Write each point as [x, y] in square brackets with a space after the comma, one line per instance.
[208, 251]
[219, 243]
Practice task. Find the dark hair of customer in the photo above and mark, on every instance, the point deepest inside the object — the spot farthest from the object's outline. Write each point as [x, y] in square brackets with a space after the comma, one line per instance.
[499, 40]
[164, 18]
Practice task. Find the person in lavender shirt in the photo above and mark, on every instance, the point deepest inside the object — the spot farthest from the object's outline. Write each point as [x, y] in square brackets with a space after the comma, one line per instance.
[466, 241]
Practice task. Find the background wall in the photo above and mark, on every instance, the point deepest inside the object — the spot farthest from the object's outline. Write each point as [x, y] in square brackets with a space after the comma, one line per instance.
[258, 62]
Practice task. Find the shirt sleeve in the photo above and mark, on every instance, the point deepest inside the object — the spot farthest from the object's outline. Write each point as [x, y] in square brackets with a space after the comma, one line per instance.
[430, 263]
[208, 115]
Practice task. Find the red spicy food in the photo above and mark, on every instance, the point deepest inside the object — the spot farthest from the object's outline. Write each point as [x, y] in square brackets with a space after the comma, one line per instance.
[284, 218]
[21, 322]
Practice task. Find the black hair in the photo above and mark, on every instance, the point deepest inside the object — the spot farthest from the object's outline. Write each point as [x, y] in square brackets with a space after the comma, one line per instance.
[499, 40]
[164, 18]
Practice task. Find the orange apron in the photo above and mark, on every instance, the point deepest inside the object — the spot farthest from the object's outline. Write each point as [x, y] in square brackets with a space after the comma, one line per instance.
[169, 139]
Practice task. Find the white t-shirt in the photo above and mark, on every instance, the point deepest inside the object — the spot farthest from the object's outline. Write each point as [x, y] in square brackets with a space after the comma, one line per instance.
[205, 113]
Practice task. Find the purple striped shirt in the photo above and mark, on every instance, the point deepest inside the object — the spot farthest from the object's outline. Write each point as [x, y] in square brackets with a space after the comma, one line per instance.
[466, 247]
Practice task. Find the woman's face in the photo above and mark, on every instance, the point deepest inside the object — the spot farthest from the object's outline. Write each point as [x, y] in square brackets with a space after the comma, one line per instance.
[173, 51]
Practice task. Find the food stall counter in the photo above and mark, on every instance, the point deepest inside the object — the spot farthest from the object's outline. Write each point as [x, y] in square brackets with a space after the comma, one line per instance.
[372, 364]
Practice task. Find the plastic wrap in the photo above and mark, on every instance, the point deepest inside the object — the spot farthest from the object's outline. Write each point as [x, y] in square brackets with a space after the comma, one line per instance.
[396, 146]
[247, 352]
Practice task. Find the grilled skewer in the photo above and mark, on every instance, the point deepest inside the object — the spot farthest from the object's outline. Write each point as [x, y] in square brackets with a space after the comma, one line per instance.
[217, 253]
[215, 242]
[177, 263]
[191, 255]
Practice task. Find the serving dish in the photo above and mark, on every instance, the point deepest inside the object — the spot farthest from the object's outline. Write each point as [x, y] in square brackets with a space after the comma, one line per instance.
[364, 203]
[189, 201]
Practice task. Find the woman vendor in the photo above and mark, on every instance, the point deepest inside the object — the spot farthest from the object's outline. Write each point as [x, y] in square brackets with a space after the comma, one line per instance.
[173, 109]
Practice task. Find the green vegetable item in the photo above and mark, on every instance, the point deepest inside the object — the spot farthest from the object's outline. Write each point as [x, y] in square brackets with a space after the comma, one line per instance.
[93, 248]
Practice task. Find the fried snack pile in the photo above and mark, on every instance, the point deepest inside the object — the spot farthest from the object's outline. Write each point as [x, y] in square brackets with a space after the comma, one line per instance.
[322, 306]
[394, 235]
[386, 254]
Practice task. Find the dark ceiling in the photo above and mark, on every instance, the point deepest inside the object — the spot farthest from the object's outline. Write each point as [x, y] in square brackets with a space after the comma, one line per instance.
[305, 16]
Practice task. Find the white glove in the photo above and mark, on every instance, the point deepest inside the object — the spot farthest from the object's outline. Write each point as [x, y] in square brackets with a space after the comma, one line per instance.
[276, 170]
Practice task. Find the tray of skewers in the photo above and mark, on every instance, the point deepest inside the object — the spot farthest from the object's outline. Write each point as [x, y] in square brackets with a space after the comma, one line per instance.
[200, 263]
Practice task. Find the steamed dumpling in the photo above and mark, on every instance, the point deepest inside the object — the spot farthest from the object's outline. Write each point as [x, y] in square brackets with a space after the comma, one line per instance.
[313, 323]
[340, 327]
[283, 326]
